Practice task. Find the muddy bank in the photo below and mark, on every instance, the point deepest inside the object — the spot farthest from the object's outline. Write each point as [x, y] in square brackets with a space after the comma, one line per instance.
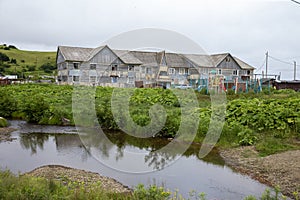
[282, 169]
[67, 175]
[5, 134]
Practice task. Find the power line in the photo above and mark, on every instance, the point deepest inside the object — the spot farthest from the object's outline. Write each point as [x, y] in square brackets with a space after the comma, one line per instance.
[261, 65]
[282, 61]
[295, 1]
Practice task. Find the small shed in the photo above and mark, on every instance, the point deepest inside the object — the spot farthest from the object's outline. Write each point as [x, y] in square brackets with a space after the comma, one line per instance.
[294, 85]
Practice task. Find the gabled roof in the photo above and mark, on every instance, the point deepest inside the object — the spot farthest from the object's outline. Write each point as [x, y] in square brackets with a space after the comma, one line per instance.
[94, 52]
[127, 57]
[160, 55]
[146, 57]
[242, 64]
[175, 60]
[218, 58]
[200, 60]
[75, 53]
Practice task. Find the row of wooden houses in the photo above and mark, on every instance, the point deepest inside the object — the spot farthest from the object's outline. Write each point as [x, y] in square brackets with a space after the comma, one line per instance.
[105, 66]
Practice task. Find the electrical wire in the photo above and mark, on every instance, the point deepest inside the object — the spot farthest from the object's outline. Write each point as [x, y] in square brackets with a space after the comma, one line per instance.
[282, 61]
[295, 1]
[257, 70]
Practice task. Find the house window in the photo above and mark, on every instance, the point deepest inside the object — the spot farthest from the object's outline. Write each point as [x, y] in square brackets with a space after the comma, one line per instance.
[220, 71]
[248, 72]
[186, 71]
[114, 68]
[227, 59]
[148, 70]
[181, 71]
[235, 72]
[93, 79]
[163, 73]
[75, 78]
[171, 71]
[76, 65]
[93, 66]
[114, 79]
[63, 66]
[64, 78]
[130, 68]
[130, 80]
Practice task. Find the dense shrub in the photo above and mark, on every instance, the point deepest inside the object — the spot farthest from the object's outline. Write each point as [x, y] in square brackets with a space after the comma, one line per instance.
[47, 67]
[7, 104]
[3, 57]
[3, 122]
[35, 109]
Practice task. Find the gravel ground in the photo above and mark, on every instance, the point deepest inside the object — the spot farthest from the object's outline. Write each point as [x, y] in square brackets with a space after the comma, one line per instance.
[282, 169]
[67, 175]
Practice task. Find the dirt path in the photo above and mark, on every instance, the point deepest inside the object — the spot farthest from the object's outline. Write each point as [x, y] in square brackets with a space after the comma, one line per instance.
[282, 169]
[67, 175]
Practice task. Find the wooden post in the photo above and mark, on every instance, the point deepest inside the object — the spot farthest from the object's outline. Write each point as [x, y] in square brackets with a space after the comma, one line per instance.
[267, 56]
[295, 65]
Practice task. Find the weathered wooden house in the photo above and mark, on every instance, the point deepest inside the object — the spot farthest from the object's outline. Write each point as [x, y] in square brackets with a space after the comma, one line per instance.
[123, 68]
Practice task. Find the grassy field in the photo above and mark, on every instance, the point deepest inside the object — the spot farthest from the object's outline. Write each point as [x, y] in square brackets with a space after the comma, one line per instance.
[27, 62]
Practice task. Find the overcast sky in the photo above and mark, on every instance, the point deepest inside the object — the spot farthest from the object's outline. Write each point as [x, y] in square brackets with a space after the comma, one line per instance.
[244, 28]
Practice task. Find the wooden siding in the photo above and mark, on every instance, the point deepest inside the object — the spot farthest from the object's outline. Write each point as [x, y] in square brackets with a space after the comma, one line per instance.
[60, 58]
[229, 63]
[105, 56]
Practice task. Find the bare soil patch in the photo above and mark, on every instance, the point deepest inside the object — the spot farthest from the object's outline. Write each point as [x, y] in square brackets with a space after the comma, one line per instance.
[67, 175]
[282, 169]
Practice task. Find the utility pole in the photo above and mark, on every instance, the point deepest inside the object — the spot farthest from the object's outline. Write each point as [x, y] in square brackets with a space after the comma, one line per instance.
[295, 70]
[267, 56]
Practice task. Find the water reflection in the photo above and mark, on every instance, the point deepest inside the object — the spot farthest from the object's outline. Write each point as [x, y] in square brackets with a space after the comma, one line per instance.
[33, 141]
[117, 150]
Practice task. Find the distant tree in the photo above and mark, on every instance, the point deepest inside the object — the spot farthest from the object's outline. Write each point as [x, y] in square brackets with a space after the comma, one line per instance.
[2, 68]
[6, 48]
[12, 47]
[3, 57]
[47, 67]
[22, 61]
[13, 61]
[30, 68]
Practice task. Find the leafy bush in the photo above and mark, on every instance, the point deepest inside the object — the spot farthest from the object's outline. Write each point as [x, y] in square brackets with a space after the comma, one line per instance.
[3, 122]
[35, 109]
[7, 104]
[3, 57]
[47, 67]
[153, 192]
[247, 137]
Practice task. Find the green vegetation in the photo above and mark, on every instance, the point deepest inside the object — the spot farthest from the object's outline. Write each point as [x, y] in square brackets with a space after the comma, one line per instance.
[3, 122]
[271, 122]
[26, 63]
[36, 188]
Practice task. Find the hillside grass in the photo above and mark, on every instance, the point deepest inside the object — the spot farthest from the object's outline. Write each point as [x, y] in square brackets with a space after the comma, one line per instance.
[26, 60]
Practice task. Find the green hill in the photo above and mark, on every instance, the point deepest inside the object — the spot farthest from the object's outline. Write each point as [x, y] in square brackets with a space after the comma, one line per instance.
[26, 63]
